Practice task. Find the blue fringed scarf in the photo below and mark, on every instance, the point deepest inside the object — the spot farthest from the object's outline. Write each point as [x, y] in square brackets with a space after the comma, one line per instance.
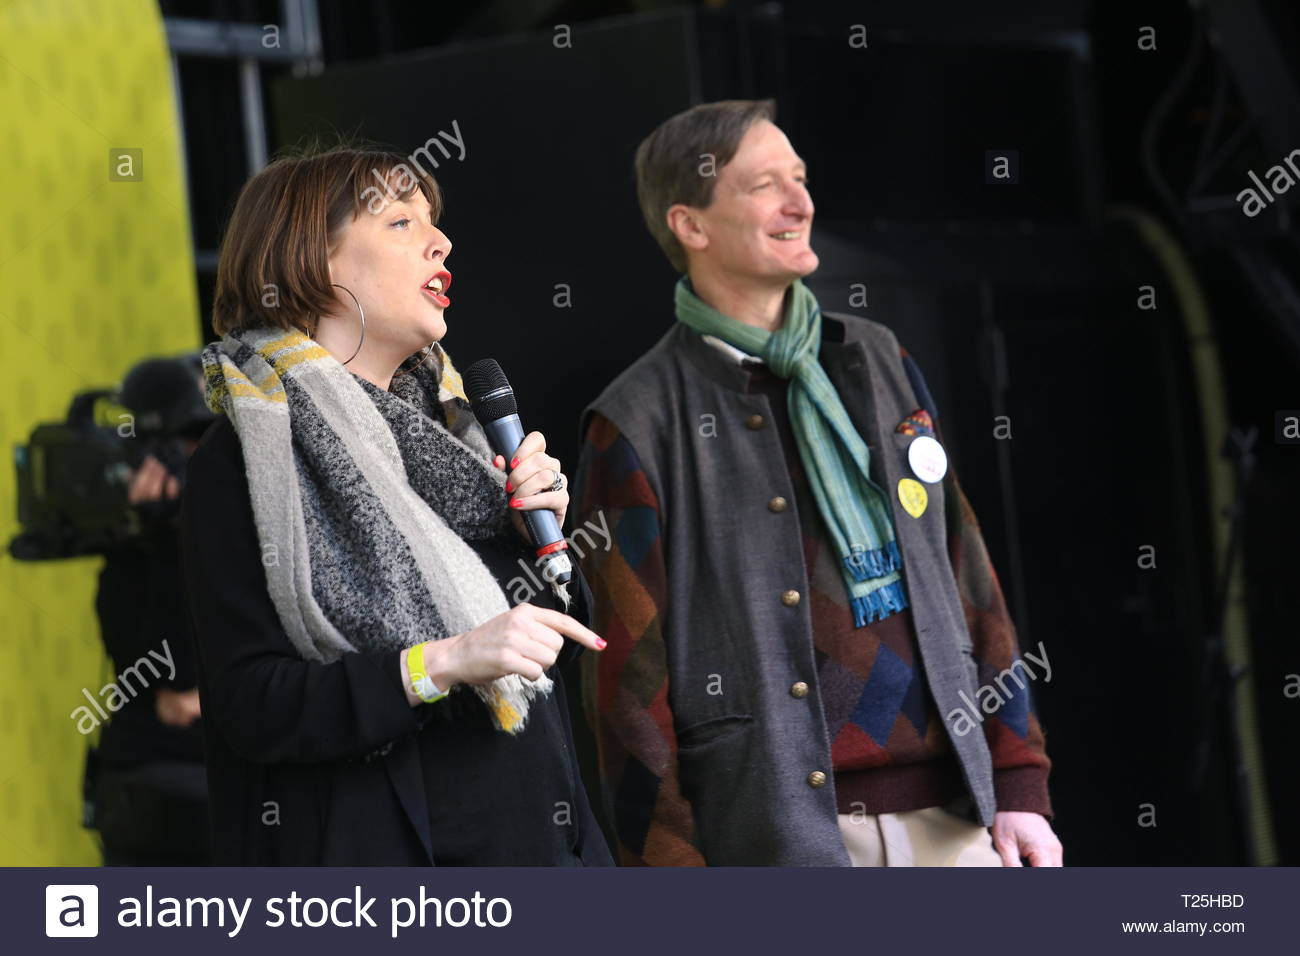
[835, 457]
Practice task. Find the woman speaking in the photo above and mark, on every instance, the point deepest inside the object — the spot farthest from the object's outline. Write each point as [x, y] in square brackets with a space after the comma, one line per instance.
[369, 694]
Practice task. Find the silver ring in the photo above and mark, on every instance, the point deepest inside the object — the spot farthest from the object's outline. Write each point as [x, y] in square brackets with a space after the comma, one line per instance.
[558, 483]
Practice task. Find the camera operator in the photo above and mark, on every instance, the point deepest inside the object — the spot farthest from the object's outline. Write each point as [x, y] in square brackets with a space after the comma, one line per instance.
[150, 786]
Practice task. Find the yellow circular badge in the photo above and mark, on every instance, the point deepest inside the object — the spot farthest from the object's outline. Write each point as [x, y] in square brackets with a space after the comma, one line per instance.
[913, 496]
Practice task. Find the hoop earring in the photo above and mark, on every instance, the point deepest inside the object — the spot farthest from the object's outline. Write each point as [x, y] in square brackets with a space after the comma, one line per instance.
[424, 357]
[362, 312]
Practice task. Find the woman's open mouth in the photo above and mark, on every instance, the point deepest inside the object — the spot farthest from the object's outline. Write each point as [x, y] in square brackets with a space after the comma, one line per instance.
[436, 286]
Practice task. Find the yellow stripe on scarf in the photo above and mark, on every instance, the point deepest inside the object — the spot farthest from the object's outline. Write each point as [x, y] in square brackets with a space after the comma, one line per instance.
[214, 388]
[506, 715]
[249, 390]
[228, 381]
[289, 351]
[451, 380]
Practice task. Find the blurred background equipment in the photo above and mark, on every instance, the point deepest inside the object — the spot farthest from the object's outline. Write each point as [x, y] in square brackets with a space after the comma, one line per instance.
[72, 476]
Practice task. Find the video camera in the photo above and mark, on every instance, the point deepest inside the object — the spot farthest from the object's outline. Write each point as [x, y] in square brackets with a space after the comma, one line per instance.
[73, 476]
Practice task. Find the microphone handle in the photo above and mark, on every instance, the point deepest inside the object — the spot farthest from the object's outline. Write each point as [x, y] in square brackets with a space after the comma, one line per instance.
[505, 436]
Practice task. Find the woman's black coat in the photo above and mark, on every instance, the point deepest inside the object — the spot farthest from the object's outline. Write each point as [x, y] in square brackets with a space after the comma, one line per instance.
[328, 764]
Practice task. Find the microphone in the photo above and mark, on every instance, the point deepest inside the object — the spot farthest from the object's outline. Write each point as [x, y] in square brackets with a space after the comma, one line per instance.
[493, 402]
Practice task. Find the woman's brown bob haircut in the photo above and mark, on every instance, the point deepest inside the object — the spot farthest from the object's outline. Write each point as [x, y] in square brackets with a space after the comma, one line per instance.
[274, 263]
[679, 162]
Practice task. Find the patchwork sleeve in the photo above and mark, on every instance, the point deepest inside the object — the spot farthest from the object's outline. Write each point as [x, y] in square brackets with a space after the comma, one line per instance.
[1015, 738]
[625, 687]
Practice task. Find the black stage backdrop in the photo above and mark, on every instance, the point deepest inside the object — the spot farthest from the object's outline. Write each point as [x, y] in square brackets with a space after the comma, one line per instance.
[1017, 300]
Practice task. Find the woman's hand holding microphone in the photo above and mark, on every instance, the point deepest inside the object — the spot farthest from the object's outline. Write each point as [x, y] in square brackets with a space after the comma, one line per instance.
[531, 480]
[527, 639]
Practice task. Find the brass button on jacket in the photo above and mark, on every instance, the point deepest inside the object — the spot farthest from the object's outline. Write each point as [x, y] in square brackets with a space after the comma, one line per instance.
[799, 689]
[816, 779]
[754, 422]
[777, 505]
[790, 598]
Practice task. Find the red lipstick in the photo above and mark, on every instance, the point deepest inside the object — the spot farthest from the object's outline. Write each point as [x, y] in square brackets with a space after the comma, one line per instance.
[439, 297]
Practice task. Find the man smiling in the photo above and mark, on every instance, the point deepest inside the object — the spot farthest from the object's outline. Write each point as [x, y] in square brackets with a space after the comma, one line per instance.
[798, 590]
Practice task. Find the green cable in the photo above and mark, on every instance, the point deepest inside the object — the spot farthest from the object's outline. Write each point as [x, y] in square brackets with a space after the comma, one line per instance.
[1212, 399]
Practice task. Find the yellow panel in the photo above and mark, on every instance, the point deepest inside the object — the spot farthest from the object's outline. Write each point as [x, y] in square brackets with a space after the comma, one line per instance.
[95, 274]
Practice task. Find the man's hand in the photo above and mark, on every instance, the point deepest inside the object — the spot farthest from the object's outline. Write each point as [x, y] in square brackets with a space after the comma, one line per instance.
[152, 482]
[1017, 834]
[177, 708]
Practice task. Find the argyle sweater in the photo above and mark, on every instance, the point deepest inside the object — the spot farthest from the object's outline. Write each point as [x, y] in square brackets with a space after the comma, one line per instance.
[889, 749]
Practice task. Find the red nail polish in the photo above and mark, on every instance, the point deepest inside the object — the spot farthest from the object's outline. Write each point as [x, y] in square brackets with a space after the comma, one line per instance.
[514, 463]
[509, 487]
[601, 642]
[515, 502]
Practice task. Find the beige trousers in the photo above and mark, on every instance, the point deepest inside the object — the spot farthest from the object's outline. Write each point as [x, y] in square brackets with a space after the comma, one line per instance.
[929, 837]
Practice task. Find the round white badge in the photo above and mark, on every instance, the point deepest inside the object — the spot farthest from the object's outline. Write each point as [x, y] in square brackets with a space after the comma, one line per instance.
[928, 459]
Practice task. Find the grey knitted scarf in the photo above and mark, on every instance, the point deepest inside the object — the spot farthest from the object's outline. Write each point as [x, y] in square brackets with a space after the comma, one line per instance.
[365, 499]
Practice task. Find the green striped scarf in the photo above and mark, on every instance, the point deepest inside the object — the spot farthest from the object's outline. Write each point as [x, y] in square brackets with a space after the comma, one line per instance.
[834, 456]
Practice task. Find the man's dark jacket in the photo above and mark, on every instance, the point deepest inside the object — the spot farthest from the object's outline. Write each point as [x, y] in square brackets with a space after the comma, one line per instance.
[747, 758]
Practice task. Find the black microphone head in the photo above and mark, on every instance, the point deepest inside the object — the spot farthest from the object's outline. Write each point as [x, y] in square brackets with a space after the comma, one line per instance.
[489, 391]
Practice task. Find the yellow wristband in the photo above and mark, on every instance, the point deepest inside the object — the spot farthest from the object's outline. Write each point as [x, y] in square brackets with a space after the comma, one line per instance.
[421, 685]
